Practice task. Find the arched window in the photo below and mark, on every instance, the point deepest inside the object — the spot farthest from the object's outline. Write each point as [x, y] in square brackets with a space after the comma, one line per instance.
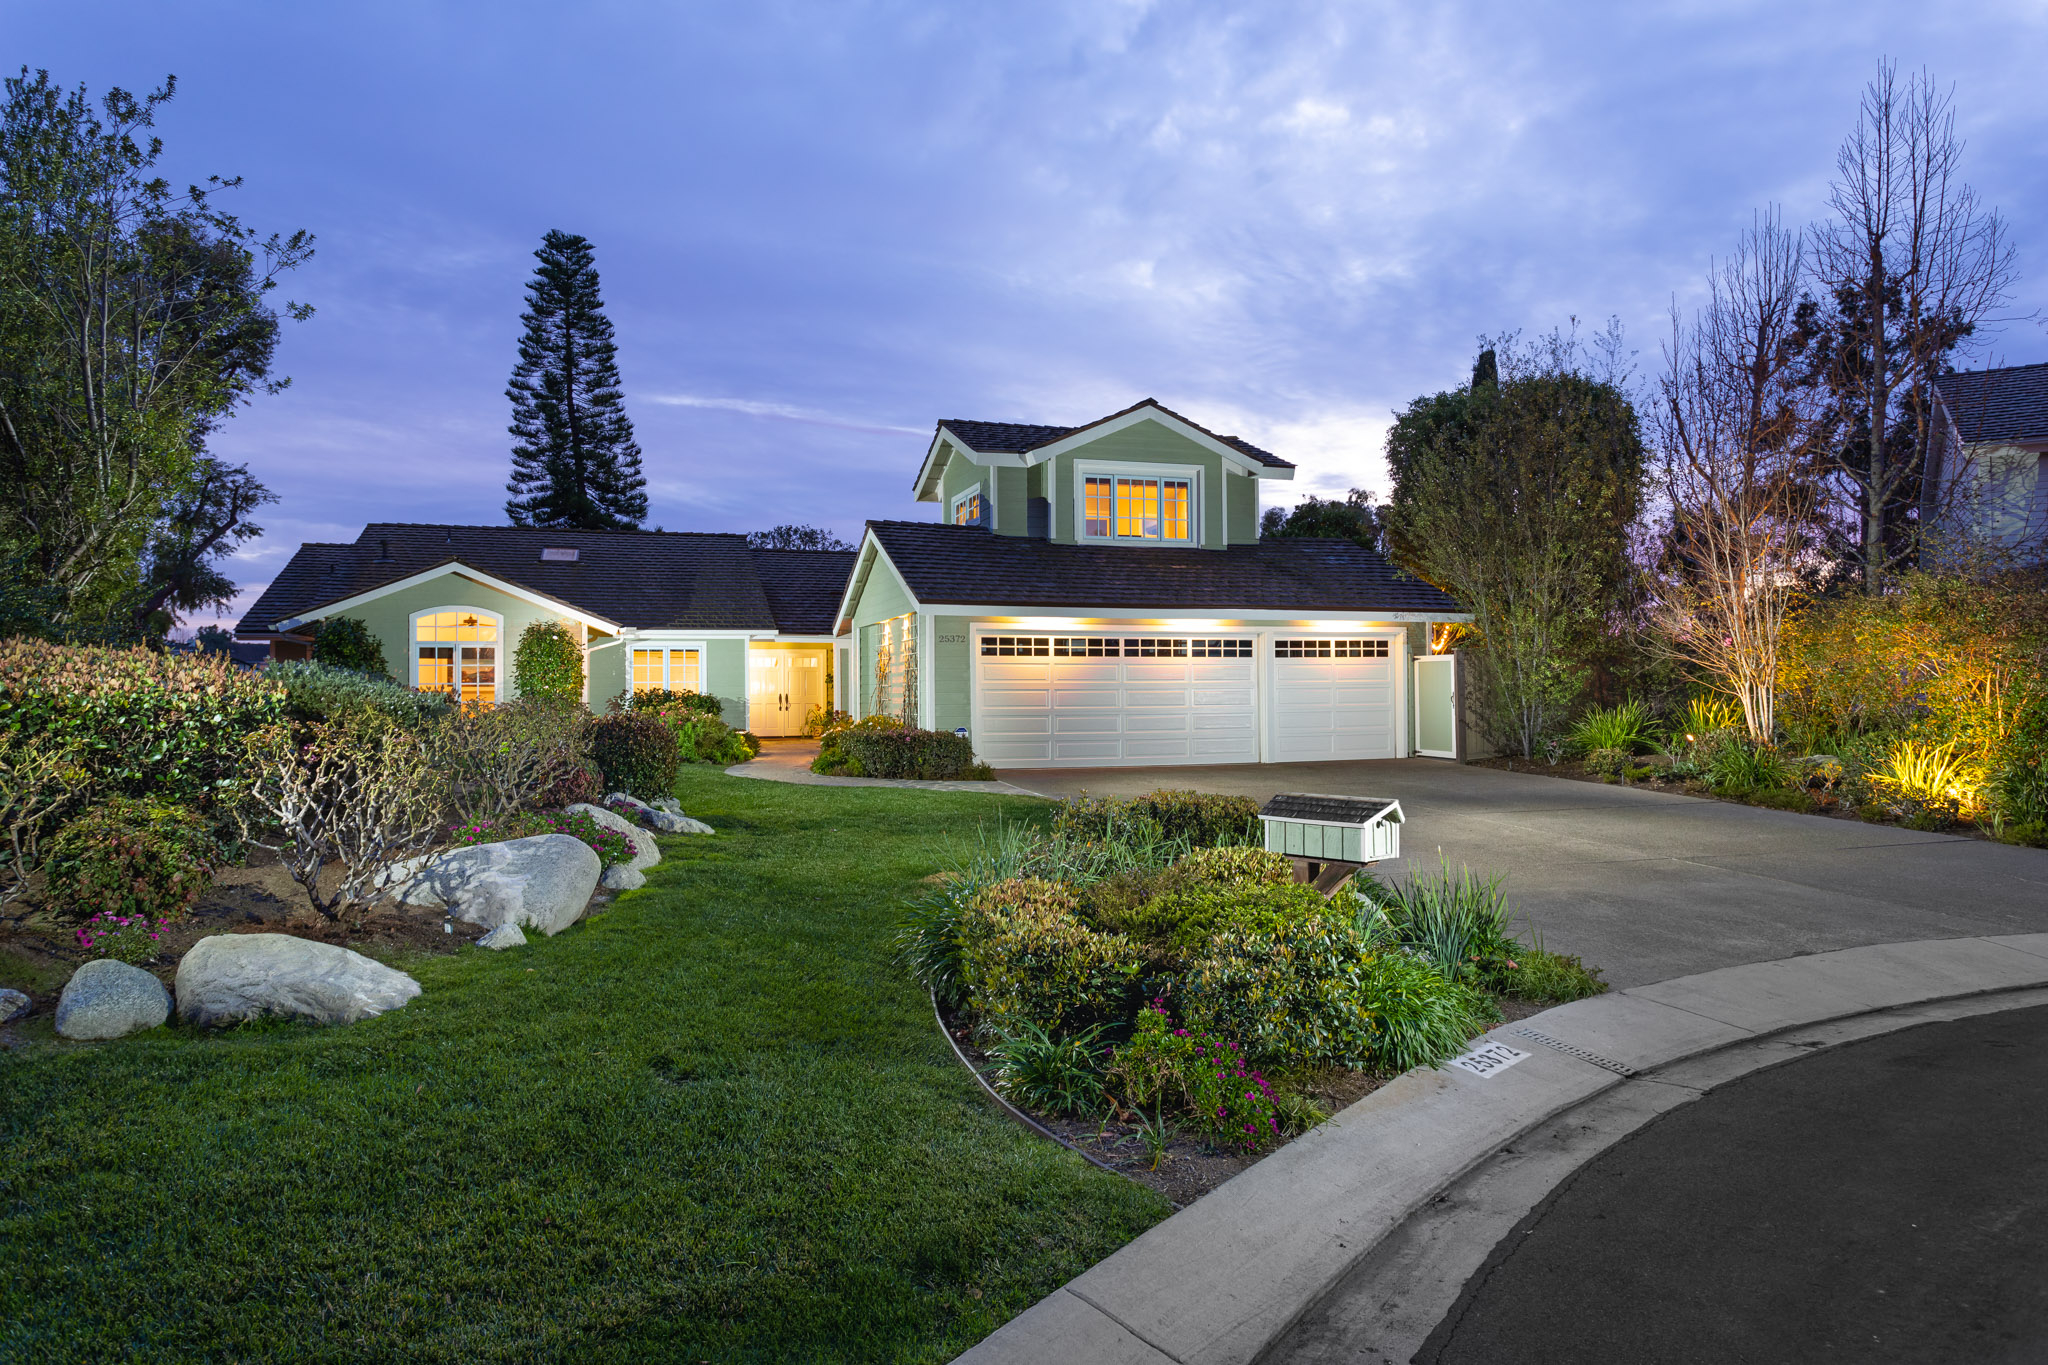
[455, 650]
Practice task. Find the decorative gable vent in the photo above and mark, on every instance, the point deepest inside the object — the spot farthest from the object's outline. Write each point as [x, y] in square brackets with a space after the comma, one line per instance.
[560, 556]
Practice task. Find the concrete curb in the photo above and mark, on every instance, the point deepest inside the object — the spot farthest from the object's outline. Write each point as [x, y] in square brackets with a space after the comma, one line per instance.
[1223, 1281]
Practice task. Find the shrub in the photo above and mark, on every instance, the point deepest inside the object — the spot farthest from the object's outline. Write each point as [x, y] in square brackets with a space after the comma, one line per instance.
[610, 845]
[834, 758]
[1051, 1075]
[1187, 915]
[920, 755]
[353, 795]
[41, 779]
[547, 664]
[1200, 1074]
[345, 642]
[820, 719]
[1200, 818]
[704, 738]
[170, 727]
[125, 938]
[1456, 921]
[1538, 974]
[1708, 716]
[317, 692]
[663, 698]
[1626, 727]
[515, 757]
[128, 857]
[1239, 863]
[1921, 776]
[1027, 957]
[1419, 1019]
[1740, 765]
[636, 753]
[1607, 762]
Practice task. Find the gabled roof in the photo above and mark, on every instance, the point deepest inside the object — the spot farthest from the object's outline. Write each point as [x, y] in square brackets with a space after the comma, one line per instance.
[804, 586]
[651, 580]
[1023, 439]
[969, 565]
[2009, 404]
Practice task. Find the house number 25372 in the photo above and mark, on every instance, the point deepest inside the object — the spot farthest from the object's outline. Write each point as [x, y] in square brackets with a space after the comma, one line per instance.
[952, 639]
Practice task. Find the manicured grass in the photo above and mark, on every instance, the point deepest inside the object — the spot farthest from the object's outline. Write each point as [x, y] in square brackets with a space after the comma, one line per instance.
[715, 1123]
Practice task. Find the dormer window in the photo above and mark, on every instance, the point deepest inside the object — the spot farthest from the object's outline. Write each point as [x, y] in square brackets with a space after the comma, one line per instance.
[1158, 507]
[967, 507]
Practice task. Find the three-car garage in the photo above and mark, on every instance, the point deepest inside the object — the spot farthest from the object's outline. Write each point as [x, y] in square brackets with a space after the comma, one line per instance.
[1107, 697]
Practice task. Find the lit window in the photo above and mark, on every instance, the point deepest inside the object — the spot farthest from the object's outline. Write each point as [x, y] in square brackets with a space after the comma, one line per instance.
[1098, 498]
[458, 653]
[1137, 509]
[678, 670]
[967, 511]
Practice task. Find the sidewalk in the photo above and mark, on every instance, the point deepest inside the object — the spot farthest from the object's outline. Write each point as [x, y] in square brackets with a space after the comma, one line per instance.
[1224, 1281]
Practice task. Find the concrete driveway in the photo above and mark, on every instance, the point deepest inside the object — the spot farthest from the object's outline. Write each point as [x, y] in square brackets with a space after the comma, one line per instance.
[1649, 885]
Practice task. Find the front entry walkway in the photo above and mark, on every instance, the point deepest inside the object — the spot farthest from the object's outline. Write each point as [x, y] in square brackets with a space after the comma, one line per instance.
[1651, 885]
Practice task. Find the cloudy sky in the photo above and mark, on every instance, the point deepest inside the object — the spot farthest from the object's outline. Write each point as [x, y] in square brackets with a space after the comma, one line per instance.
[821, 227]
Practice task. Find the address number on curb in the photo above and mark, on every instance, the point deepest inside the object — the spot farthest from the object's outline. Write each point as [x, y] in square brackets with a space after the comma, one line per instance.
[1485, 1061]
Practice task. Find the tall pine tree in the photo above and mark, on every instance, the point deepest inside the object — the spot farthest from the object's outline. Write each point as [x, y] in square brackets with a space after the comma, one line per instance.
[574, 463]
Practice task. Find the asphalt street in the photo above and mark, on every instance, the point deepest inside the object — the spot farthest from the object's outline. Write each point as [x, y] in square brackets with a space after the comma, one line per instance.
[1885, 1200]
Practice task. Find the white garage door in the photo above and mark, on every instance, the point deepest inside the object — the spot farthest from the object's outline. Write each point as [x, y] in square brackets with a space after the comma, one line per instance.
[1103, 699]
[1333, 697]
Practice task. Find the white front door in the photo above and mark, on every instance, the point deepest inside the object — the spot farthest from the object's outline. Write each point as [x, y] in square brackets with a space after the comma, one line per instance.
[1108, 699]
[782, 687]
[1333, 696]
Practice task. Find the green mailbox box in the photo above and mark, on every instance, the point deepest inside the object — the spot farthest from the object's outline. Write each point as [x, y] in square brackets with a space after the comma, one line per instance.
[1330, 837]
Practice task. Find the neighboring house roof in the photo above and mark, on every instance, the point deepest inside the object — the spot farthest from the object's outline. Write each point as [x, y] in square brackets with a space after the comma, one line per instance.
[941, 563]
[804, 587]
[1992, 406]
[1018, 438]
[651, 580]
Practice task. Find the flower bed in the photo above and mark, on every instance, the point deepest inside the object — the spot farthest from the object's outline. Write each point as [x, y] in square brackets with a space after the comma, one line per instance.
[1195, 999]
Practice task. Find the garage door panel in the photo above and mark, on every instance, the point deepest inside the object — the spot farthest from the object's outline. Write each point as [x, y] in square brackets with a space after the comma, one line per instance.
[1155, 748]
[1154, 698]
[1165, 722]
[1076, 751]
[1097, 723]
[1333, 698]
[1103, 671]
[1087, 699]
[1221, 699]
[1163, 672]
[1001, 671]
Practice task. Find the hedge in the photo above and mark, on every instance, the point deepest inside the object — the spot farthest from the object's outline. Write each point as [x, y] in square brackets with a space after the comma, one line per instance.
[927, 755]
[166, 726]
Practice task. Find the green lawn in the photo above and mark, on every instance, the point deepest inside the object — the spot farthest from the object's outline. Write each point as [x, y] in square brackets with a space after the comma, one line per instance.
[716, 1123]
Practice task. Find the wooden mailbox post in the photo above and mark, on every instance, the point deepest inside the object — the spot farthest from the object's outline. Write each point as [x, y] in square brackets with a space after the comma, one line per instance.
[1331, 837]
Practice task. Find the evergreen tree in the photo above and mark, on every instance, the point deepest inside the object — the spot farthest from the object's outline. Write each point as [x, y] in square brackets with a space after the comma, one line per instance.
[574, 463]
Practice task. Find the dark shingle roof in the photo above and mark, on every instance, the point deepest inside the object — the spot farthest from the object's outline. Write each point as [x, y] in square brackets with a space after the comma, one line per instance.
[648, 579]
[1351, 810]
[942, 563]
[804, 587]
[1020, 437]
[1997, 405]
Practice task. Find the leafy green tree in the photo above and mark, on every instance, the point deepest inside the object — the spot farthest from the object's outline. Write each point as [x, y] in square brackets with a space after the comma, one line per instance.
[574, 460]
[133, 320]
[345, 642]
[1516, 494]
[548, 664]
[793, 537]
[213, 640]
[1354, 517]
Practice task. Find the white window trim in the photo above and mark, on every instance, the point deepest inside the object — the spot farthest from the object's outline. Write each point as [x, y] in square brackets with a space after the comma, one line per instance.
[667, 647]
[971, 491]
[501, 688]
[1086, 469]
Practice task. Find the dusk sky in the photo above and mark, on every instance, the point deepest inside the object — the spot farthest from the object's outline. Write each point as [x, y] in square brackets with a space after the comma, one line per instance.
[823, 227]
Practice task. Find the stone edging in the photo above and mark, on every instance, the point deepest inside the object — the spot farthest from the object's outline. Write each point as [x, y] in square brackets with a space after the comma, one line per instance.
[1221, 1282]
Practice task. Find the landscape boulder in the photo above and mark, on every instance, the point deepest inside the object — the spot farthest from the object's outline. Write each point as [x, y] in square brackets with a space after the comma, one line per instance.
[109, 999]
[646, 853]
[503, 937]
[623, 877]
[665, 814]
[231, 977]
[13, 1004]
[543, 882]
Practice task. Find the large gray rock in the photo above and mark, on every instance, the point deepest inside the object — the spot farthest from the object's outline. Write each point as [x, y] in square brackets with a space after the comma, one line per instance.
[666, 814]
[670, 823]
[646, 853]
[543, 882]
[13, 1004]
[623, 877]
[109, 999]
[231, 977]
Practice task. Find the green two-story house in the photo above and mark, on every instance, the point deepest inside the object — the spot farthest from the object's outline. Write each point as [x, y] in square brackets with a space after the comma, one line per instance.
[1099, 596]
